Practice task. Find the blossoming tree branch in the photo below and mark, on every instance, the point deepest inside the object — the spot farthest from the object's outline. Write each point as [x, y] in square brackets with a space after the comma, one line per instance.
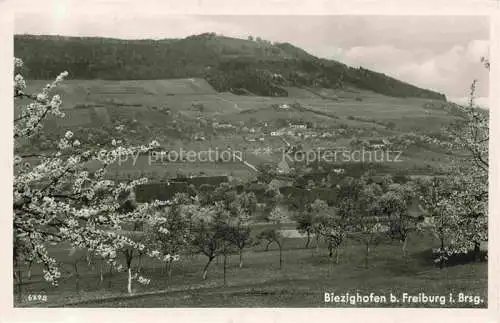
[59, 199]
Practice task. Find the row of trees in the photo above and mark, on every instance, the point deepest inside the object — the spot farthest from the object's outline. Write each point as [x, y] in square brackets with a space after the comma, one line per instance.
[369, 212]
[213, 223]
[365, 210]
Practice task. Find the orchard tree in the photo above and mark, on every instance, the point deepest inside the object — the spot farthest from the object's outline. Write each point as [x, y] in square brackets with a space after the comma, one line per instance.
[471, 214]
[470, 196]
[440, 215]
[211, 231]
[205, 234]
[226, 246]
[369, 226]
[305, 221]
[463, 196]
[239, 231]
[395, 205]
[273, 236]
[57, 197]
[333, 229]
[129, 252]
[273, 197]
[169, 233]
[357, 205]
[277, 217]
[319, 212]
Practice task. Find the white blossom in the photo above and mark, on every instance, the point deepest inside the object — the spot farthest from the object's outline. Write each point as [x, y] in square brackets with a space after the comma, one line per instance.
[90, 200]
[18, 62]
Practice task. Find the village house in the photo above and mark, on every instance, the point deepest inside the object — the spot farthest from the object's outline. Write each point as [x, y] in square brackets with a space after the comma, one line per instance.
[277, 76]
[376, 143]
[298, 126]
[254, 138]
[199, 137]
[217, 125]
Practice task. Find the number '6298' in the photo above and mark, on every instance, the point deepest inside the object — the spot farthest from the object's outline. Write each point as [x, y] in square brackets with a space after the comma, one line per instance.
[37, 297]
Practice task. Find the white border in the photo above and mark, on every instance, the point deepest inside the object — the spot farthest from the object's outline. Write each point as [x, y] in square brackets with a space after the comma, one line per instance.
[262, 7]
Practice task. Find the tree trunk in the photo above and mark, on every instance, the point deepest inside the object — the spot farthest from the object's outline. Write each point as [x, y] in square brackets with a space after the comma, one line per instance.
[29, 270]
[77, 278]
[404, 245]
[308, 239]
[267, 245]
[441, 261]
[169, 271]
[139, 266]
[281, 254]
[128, 258]
[367, 251]
[110, 275]
[337, 255]
[330, 263]
[19, 284]
[205, 269]
[90, 262]
[225, 262]
[317, 243]
[241, 258]
[477, 250]
[129, 285]
[101, 270]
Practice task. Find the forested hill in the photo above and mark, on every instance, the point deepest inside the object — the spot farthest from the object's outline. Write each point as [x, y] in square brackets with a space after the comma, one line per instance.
[228, 64]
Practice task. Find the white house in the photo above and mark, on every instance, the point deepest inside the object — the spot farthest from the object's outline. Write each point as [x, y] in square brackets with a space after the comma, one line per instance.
[298, 126]
[376, 144]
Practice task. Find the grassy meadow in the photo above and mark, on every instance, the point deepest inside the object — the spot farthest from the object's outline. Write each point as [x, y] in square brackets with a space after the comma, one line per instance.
[302, 281]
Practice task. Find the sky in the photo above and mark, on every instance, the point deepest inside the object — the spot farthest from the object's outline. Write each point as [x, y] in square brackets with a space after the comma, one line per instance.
[441, 53]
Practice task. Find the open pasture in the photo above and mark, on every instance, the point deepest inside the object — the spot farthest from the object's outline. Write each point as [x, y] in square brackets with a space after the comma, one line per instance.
[304, 278]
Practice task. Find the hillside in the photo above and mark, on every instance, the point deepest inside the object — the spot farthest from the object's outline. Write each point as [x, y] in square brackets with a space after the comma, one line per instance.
[230, 65]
